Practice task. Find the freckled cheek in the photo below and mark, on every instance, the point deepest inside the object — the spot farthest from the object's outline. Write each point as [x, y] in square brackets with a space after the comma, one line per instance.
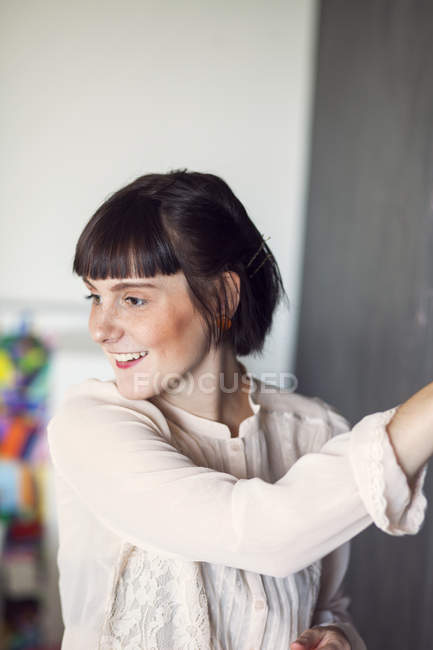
[174, 333]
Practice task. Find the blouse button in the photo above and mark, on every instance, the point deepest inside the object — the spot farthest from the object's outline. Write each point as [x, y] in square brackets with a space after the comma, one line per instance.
[236, 446]
[259, 604]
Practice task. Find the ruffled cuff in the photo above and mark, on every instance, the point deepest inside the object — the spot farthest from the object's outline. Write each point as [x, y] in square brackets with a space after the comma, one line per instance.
[394, 507]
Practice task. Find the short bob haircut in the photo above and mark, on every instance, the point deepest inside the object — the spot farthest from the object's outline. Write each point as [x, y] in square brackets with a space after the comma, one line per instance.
[191, 222]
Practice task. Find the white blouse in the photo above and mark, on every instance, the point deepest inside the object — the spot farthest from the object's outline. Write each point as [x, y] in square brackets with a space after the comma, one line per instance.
[175, 536]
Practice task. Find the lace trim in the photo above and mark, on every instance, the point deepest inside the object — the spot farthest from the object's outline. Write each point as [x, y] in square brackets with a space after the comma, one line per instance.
[416, 514]
[159, 603]
[416, 509]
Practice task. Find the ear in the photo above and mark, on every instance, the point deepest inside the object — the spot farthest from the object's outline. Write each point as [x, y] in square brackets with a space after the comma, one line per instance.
[233, 288]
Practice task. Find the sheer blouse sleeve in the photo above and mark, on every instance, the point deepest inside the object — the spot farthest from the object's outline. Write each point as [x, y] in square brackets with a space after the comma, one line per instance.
[140, 486]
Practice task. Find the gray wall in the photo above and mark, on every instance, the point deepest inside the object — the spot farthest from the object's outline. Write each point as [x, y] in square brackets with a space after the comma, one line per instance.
[366, 319]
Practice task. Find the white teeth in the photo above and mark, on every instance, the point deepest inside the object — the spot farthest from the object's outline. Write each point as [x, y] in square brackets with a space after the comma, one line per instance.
[129, 357]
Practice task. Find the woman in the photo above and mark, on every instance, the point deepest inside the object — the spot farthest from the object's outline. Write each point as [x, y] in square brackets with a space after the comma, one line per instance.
[198, 506]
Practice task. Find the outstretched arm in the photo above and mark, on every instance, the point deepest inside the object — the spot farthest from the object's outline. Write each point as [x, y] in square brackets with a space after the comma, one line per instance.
[411, 432]
[140, 486]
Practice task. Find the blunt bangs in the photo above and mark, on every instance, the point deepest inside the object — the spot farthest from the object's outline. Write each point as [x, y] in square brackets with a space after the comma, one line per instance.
[125, 239]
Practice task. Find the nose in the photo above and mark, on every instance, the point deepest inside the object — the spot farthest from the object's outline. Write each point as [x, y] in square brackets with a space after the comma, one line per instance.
[104, 327]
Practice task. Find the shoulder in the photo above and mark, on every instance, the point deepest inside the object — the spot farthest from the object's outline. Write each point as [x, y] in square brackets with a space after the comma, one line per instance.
[301, 406]
[99, 402]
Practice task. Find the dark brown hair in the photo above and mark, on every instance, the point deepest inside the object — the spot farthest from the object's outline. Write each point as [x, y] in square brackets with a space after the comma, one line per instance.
[191, 222]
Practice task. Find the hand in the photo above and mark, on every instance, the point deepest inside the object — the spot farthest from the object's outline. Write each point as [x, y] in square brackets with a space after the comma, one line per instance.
[325, 637]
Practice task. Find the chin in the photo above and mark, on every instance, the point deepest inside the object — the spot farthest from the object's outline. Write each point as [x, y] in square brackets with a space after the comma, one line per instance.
[127, 390]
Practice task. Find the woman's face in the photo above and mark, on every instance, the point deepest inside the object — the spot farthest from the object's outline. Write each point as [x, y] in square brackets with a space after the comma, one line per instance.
[153, 316]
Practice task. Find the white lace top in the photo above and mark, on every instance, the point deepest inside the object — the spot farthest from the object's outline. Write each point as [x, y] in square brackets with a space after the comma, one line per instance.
[176, 536]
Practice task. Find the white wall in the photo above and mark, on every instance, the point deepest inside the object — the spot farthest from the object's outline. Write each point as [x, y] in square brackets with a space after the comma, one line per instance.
[95, 94]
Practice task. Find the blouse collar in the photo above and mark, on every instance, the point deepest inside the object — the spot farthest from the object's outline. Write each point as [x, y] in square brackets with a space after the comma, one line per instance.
[203, 426]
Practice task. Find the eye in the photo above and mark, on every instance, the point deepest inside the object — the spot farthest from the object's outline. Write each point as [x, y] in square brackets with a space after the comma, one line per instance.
[142, 300]
[90, 296]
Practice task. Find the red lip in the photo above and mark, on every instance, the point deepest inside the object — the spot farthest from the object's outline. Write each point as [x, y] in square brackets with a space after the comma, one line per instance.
[128, 364]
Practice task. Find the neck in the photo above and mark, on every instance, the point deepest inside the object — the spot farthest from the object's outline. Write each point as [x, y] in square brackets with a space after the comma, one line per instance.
[217, 389]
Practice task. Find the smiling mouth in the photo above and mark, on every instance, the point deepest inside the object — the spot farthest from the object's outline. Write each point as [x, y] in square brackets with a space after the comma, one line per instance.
[131, 362]
[129, 356]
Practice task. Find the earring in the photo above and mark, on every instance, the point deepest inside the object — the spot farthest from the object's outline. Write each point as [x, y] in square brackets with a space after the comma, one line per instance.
[226, 323]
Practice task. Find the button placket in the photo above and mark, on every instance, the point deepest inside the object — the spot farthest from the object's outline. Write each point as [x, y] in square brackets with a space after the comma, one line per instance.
[260, 610]
[237, 458]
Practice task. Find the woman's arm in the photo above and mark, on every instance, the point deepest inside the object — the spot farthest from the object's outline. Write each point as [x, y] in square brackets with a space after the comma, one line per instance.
[145, 490]
[411, 432]
[332, 603]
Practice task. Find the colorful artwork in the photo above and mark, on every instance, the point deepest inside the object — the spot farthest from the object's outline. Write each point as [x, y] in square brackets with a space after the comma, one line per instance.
[24, 372]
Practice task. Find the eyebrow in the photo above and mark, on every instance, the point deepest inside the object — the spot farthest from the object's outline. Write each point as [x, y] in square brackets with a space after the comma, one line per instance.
[125, 285]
